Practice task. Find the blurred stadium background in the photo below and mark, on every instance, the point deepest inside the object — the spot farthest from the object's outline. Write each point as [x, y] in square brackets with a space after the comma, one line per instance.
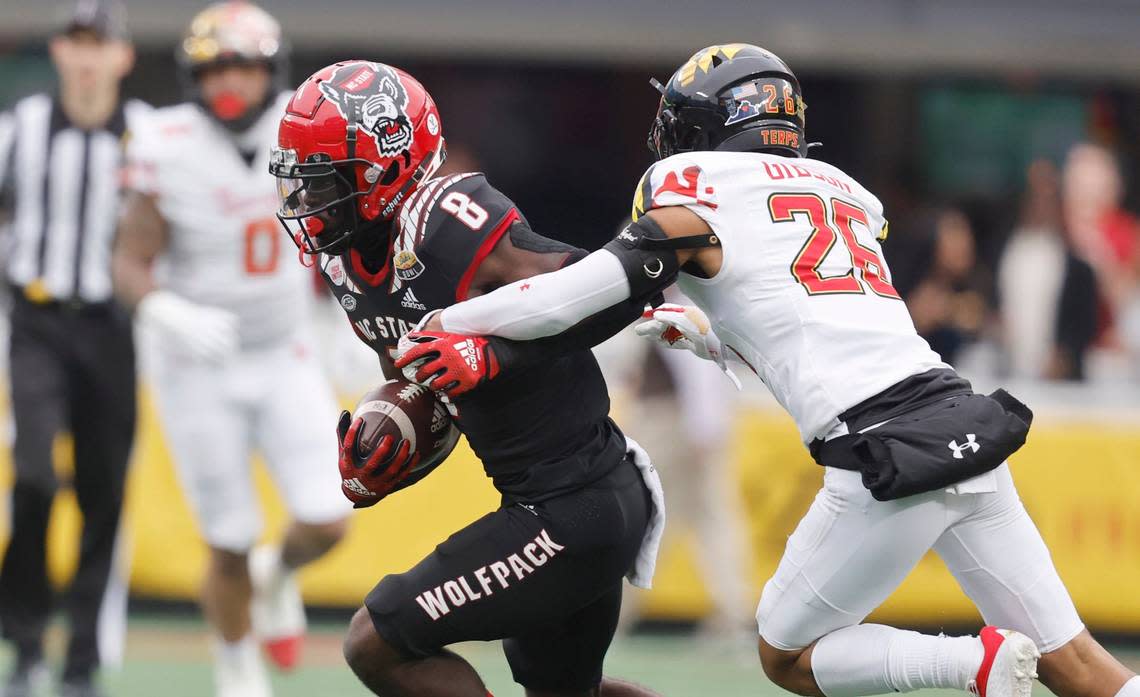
[961, 115]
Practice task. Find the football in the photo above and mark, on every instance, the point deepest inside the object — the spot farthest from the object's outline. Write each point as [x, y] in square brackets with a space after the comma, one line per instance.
[408, 411]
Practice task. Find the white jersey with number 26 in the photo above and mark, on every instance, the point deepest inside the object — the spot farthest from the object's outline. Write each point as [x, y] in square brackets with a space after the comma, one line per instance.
[225, 248]
[804, 296]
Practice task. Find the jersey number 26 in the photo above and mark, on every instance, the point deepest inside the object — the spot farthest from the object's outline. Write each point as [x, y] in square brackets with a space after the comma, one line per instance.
[825, 218]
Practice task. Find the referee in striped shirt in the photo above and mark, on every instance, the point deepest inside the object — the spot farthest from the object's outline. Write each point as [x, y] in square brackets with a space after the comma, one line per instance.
[71, 354]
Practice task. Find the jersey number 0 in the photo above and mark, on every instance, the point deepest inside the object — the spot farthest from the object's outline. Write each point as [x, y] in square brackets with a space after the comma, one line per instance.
[262, 246]
[825, 218]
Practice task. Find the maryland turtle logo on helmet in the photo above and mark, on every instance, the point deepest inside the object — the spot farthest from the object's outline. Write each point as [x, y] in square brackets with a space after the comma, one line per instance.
[733, 97]
[357, 139]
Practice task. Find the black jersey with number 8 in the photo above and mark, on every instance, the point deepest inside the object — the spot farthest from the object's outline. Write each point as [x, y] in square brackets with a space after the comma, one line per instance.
[540, 431]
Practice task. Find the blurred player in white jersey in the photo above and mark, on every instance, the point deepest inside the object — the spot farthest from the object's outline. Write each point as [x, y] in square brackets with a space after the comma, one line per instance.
[201, 257]
[782, 253]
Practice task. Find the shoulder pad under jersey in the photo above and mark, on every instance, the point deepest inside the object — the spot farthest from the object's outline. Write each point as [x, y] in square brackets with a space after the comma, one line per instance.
[674, 181]
[450, 225]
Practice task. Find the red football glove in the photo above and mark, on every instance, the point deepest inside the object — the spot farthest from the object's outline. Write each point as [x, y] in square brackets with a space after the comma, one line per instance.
[450, 363]
[380, 474]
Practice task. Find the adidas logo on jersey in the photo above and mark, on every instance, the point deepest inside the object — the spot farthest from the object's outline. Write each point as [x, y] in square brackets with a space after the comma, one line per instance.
[410, 301]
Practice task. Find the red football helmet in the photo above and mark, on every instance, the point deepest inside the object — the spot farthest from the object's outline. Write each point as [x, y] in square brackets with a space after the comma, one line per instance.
[356, 140]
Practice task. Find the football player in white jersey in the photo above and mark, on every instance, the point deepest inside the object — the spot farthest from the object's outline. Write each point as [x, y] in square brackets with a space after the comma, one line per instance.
[201, 257]
[782, 254]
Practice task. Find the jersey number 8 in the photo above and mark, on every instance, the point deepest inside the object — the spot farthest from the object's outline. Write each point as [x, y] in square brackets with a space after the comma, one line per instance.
[464, 209]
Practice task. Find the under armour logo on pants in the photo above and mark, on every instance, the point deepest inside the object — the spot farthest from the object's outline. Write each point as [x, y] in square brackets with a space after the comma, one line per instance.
[970, 443]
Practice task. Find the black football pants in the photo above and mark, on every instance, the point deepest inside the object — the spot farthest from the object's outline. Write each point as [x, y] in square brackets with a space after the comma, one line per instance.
[546, 578]
[70, 369]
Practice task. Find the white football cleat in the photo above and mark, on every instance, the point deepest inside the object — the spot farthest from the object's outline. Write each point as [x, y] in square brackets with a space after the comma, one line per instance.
[1009, 665]
[277, 612]
[238, 670]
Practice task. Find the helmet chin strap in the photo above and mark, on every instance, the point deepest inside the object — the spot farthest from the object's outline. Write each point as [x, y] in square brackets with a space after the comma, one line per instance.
[351, 128]
[421, 172]
[370, 240]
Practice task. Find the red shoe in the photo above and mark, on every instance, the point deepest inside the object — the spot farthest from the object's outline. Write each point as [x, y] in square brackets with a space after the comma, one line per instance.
[1009, 665]
[277, 612]
[284, 652]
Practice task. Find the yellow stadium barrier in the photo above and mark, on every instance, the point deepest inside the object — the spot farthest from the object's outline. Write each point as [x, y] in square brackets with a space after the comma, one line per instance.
[1078, 478]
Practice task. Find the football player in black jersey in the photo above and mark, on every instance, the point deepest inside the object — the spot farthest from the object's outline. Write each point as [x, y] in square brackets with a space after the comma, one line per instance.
[357, 149]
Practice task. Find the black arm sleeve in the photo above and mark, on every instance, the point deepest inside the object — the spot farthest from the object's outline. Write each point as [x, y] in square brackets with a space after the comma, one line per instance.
[650, 265]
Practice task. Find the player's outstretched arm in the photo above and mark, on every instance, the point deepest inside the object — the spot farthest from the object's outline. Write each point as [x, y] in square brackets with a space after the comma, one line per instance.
[632, 268]
[519, 254]
[523, 254]
[455, 364]
[572, 308]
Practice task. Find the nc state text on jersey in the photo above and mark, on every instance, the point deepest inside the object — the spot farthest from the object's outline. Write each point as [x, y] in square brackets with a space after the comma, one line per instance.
[385, 327]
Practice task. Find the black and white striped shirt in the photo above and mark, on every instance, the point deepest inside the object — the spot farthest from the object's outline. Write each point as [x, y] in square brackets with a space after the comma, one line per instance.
[60, 186]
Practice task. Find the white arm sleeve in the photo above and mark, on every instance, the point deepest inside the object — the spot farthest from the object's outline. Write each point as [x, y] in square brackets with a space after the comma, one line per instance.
[544, 305]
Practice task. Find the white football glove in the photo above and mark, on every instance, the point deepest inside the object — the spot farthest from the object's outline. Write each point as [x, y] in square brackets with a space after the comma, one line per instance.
[410, 369]
[206, 333]
[402, 347]
[405, 343]
[684, 327]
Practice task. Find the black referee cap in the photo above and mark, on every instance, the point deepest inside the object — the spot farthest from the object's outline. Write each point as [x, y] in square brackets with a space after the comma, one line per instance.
[105, 18]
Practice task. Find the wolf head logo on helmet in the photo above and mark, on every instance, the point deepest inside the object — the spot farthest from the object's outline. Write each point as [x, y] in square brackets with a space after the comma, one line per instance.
[356, 141]
[373, 95]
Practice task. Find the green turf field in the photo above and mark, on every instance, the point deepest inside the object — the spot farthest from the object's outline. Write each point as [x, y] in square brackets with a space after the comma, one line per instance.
[169, 658]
